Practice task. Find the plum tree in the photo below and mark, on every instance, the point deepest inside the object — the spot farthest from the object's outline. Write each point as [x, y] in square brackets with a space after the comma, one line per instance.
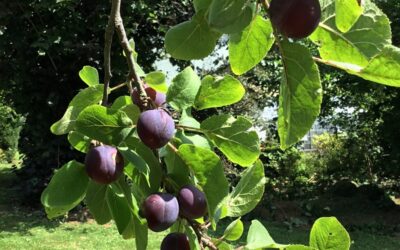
[104, 164]
[192, 202]
[161, 210]
[295, 18]
[157, 97]
[174, 241]
[155, 128]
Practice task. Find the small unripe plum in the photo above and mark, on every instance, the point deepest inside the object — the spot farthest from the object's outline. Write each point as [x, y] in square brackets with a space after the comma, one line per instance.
[161, 210]
[155, 128]
[175, 241]
[192, 202]
[104, 164]
[295, 18]
[158, 98]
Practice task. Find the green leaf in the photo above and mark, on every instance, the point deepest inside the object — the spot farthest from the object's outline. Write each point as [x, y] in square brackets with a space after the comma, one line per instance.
[366, 38]
[176, 167]
[120, 102]
[157, 81]
[79, 141]
[89, 75]
[193, 241]
[119, 209]
[124, 103]
[105, 125]
[97, 203]
[299, 247]
[249, 47]
[66, 189]
[233, 137]
[258, 237]
[234, 230]
[219, 92]
[188, 120]
[224, 246]
[84, 98]
[383, 68]
[138, 164]
[300, 94]
[347, 14]
[248, 192]
[191, 39]
[195, 139]
[328, 233]
[200, 5]
[138, 69]
[183, 90]
[142, 185]
[208, 170]
[229, 16]
[141, 232]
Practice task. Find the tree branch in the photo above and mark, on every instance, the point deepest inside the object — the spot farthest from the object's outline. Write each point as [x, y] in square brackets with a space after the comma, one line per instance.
[132, 75]
[108, 37]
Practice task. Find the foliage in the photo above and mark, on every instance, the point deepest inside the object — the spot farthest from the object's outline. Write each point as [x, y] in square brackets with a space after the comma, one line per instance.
[346, 41]
[40, 64]
[11, 124]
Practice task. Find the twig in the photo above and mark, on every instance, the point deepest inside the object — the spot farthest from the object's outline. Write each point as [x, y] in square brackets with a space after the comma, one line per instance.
[203, 240]
[118, 86]
[108, 37]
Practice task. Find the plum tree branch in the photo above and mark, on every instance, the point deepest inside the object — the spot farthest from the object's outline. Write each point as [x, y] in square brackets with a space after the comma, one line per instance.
[204, 241]
[123, 39]
[108, 37]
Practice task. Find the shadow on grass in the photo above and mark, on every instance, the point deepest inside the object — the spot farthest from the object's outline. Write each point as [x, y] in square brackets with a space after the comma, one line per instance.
[14, 217]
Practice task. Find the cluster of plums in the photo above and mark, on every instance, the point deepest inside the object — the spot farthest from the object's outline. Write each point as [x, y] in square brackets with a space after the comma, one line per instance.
[295, 18]
[161, 211]
[104, 164]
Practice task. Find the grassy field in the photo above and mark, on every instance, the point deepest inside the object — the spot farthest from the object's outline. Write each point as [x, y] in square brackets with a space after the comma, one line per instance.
[21, 228]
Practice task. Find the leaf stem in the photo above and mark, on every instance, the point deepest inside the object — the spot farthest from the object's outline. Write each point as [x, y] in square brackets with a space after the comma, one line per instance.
[187, 128]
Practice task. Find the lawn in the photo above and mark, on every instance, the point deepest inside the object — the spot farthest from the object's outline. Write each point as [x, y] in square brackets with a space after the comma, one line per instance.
[22, 228]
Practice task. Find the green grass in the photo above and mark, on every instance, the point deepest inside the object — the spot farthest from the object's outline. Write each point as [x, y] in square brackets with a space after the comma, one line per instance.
[21, 228]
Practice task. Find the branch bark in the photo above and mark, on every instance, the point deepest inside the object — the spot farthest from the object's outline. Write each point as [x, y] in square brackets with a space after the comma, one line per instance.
[108, 37]
[133, 77]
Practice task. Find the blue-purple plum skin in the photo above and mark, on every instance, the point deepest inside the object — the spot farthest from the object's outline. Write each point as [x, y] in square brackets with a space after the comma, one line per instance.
[295, 18]
[175, 241]
[104, 164]
[155, 128]
[192, 202]
[161, 210]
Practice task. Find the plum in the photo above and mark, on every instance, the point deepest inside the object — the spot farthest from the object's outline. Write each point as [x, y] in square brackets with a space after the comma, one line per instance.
[104, 164]
[175, 241]
[158, 98]
[155, 128]
[295, 18]
[192, 202]
[161, 210]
